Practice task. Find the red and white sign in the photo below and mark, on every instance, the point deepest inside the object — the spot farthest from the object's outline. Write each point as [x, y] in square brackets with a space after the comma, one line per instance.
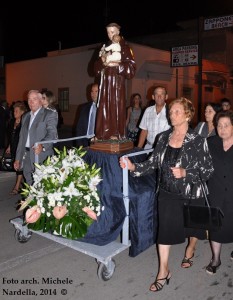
[184, 56]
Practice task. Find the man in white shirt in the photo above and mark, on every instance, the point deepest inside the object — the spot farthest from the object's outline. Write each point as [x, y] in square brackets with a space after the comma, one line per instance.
[155, 119]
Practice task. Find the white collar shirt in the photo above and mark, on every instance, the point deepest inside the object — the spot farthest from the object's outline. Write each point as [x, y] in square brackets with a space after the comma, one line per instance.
[154, 123]
[91, 120]
[32, 118]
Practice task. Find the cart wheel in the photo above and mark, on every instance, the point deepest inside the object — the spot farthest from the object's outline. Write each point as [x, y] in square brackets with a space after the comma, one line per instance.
[22, 238]
[105, 272]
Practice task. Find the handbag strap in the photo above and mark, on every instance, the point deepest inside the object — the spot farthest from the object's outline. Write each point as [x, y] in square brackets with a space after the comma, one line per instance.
[201, 127]
[204, 193]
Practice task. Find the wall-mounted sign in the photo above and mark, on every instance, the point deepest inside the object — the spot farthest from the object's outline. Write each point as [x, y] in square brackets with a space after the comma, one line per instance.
[218, 22]
[184, 56]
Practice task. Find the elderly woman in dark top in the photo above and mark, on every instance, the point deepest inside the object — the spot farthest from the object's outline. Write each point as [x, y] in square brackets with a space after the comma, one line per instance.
[220, 185]
[181, 157]
[13, 136]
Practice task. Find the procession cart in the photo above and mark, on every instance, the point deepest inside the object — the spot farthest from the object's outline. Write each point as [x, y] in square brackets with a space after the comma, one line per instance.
[102, 254]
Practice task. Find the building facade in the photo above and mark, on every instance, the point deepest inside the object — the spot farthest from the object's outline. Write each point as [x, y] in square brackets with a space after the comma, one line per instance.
[68, 73]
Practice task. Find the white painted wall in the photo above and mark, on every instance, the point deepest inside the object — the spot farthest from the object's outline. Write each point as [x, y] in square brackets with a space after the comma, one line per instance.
[51, 72]
[153, 68]
[69, 68]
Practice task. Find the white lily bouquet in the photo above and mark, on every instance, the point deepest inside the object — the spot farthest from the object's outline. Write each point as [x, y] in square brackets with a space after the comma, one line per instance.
[63, 198]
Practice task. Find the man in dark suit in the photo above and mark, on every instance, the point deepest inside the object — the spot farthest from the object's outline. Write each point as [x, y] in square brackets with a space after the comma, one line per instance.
[86, 121]
[39, 124]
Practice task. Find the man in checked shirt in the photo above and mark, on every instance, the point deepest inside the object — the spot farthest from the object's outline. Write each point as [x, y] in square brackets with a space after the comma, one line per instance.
[155, 119]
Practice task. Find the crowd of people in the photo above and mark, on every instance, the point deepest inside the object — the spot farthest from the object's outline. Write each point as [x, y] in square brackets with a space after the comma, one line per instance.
[182, 159]
[29, 122]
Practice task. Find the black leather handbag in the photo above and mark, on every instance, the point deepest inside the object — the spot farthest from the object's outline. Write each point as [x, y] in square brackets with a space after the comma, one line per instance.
[6, 163]
[202, 217]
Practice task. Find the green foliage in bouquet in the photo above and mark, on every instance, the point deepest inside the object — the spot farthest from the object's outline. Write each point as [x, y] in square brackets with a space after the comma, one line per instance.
[63, 198]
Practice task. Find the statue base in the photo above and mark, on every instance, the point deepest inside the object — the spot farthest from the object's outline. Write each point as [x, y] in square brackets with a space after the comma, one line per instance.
[112, 146]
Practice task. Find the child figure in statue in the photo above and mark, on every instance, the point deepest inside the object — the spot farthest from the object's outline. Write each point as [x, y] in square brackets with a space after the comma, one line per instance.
[113, 51]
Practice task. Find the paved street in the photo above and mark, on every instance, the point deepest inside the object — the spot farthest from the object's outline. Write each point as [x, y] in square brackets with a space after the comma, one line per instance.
[53, 271]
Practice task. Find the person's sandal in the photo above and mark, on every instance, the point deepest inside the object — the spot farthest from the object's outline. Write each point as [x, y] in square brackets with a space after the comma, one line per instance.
[188, 261]
[212, 269]
[14, 192]
[158, 285]
[232, 255]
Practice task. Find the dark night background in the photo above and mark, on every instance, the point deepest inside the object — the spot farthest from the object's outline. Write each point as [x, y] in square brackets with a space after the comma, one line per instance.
[29, 31]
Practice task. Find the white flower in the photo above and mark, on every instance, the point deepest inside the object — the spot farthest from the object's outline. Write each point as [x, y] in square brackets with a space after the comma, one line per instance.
[94, 181]
[51, 202]
[63, 174]
[87, 197]
[79, 162]
[66, 164]
[49, 170]
[58, 196]
[71, 190]
[40, 202]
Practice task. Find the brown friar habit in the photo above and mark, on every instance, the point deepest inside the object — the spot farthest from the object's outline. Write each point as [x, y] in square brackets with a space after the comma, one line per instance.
[111, 112]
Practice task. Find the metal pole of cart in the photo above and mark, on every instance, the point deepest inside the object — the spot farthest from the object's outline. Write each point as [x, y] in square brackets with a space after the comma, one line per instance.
[125, 229]
[58, 141]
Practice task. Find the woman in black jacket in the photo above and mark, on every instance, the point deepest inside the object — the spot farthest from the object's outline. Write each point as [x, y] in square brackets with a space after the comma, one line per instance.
[181, 157]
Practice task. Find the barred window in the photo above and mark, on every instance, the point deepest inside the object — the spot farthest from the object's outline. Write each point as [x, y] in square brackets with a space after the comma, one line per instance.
[63, 99]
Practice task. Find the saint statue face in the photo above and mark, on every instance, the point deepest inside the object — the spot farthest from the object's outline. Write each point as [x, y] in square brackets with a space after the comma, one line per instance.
[111, 31]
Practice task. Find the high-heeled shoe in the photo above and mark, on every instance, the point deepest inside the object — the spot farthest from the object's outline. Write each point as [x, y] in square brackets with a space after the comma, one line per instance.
[212, 269]
[158, 285]
[187, 262]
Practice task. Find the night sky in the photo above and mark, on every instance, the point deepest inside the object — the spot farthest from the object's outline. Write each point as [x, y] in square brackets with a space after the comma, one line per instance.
[29, 31]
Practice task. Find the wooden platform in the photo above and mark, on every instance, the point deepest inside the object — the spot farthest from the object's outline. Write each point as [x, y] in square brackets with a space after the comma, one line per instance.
[112, 146]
